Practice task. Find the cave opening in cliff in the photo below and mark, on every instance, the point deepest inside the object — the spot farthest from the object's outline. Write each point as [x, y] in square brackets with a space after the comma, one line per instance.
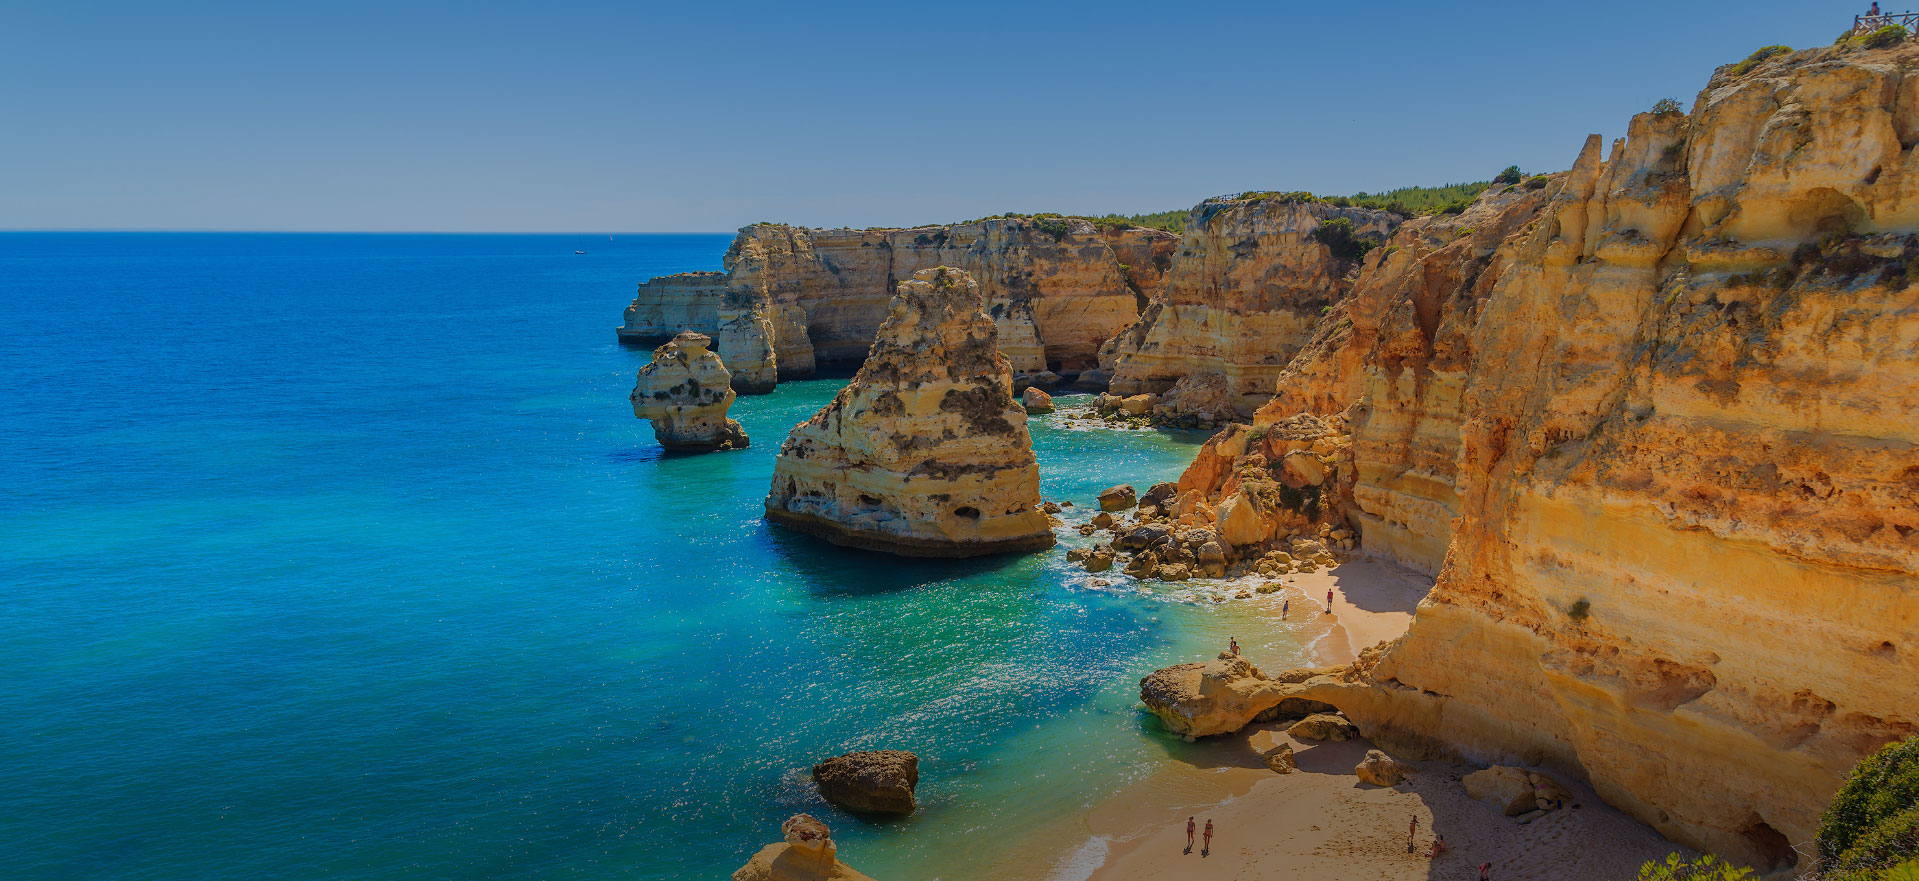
[1772, 846]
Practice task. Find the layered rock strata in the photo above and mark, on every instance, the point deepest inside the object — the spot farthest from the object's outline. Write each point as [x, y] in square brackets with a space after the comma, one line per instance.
[1661, 451]
[685, 391]
[1057, 288]
[1242, 295]
[925, 452]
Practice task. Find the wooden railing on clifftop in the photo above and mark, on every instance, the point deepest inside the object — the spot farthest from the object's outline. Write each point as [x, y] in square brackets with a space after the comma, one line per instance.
[1865, 24]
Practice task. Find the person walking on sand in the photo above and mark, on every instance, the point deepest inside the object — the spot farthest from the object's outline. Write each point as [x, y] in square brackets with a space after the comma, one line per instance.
[1485, 872]
[1209, 838]
[1285, 608]
[1189, 834]
[1412, 830]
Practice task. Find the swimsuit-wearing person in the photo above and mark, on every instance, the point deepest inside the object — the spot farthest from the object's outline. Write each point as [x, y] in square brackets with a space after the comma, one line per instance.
[1189, 833]
[1439, 846]
[1329, 601]
[1412, 830]
[1209, 836]
[1285, 608]
[1233, 645]
[1485, 872]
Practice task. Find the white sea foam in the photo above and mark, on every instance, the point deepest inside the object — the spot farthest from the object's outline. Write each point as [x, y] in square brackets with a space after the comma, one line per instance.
[1083, 861]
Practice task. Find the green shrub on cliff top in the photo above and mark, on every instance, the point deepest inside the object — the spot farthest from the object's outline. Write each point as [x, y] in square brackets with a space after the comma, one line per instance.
[1890, 35]
[1703, 868]
[1665, 106]
[1873, 822]
[1511, 175]
[1760, 55]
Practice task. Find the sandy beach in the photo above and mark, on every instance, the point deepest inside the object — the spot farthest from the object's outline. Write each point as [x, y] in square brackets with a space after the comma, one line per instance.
[1322, 822]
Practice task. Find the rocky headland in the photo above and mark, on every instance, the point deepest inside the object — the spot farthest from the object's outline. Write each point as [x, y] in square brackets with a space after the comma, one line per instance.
[926, 451]
[795, 298]
[1650, 422]
[685, 391]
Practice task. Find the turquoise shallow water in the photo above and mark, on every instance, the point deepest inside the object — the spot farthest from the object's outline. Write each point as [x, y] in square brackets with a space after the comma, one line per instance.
[343, 556]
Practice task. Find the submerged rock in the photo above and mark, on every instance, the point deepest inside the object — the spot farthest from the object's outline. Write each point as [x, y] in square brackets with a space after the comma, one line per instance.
[925, 453]
[807, 854]
[1219, 696]
[873, 782]
[685, 391]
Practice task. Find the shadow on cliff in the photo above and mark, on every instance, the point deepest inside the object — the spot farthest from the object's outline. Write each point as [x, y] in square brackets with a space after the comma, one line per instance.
[831, 570]
[1376, 586]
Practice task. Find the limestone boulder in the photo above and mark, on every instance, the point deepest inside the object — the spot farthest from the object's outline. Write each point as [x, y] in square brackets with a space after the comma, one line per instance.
[872, 782]
[807, 854]
[1280, 759]
[1380, 769]
[925, 452]
[1220, 696]
[1036, 401]
[1509, 789]
[1323, 726]
[685, 392]
[1118, 498]
[1137, 405]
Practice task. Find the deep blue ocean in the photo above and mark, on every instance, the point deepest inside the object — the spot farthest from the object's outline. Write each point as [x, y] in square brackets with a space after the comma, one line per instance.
[343, 556]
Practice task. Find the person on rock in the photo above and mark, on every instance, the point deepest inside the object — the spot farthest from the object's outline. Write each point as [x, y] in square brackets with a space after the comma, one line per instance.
[1190, 828]
[1233, 645]
[1209, 838]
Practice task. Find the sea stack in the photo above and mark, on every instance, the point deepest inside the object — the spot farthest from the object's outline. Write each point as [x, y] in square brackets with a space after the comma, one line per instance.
[807, 854]
[685, 390]
[925, 453]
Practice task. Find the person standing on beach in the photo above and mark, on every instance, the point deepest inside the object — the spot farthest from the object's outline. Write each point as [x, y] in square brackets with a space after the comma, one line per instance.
[1209, 838]
[1412, 830]
[1285, 608]
[1189, 834]
[1329, 601]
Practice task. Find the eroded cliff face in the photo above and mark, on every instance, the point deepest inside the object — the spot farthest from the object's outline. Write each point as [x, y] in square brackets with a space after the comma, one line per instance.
[1057, 290]
[1243, 294]
[925, 452]
[685, 391]
[1670, 434]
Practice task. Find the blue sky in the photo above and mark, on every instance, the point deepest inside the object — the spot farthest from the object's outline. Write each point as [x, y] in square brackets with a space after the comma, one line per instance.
[507, 116]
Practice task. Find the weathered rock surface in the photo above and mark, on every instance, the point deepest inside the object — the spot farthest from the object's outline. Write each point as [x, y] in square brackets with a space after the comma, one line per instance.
[873, 782]
[1280, 759]
[807, 854]
[1323, 726]
[1036, 401]
[1118, 498]
[1058, 289]
[1242, 295]
[1656, 439]
[925, 452]
[1380, 769]
[1220, 696]
[685, 391]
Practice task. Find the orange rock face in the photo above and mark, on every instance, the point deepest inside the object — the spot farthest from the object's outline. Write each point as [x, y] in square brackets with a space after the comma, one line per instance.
[1653, 426]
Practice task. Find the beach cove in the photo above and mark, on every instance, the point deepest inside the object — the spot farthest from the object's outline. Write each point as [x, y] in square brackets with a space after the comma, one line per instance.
[382, 578]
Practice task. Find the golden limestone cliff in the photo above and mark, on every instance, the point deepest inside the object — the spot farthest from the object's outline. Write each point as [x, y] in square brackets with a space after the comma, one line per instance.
[794, 298]
[925, 452]
[1663, 451]
[1243, 293]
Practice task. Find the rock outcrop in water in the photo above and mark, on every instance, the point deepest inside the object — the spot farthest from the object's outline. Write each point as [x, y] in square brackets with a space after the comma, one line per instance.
[807, 854]
[1057, 289]
[1652, 424]
[685, 390]
[1243, 293]
[926, 452]
[872, 782]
